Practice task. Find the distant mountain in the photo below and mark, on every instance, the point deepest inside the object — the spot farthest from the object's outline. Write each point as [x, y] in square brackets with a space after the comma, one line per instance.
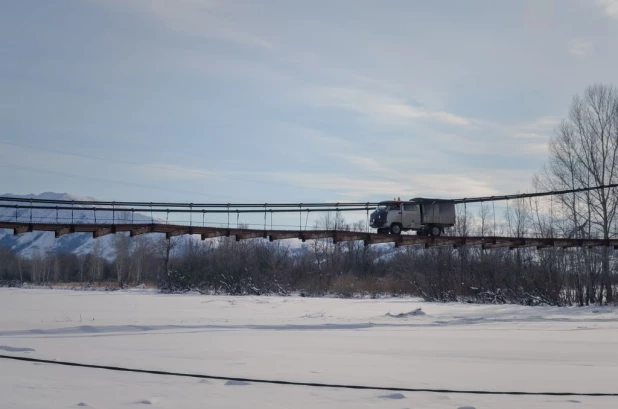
[31, 244]
[34, 243]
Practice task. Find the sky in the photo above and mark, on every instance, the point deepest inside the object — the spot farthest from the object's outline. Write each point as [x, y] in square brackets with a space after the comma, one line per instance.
[280, 100]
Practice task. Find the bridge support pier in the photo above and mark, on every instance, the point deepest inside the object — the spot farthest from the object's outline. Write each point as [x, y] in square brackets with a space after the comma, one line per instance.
[213, 234]
[141, 230]
[283, 235]
[22, 229]
[65, 230]
[104, 231]
[250, 235]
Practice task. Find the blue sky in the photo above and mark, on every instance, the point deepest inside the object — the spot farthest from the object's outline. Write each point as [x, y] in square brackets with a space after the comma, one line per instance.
[263, 101]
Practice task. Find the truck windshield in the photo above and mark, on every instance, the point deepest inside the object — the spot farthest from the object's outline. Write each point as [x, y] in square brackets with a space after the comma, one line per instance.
[382, 207]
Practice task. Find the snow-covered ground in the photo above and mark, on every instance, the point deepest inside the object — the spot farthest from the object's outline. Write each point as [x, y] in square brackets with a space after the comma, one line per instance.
[386, 342]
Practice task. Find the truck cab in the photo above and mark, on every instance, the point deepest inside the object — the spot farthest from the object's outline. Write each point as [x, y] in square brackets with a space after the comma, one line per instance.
[425, 216]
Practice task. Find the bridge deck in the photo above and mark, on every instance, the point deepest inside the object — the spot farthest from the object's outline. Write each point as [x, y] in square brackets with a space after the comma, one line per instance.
[488, 242]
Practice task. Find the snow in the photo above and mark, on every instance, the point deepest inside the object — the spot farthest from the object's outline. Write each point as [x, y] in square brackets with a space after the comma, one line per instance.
[32, 244]
[384, 342]
[51, 196]
[418, 311]
[39, 243]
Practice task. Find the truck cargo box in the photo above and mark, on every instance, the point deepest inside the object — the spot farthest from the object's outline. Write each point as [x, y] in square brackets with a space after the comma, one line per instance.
[436, 211]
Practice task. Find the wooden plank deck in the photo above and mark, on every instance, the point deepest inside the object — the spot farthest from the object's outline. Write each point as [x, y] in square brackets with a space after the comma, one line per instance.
[170, 230]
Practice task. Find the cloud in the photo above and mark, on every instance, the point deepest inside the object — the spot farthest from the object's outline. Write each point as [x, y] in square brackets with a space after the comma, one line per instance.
[580, 48]
[379, 107]
[532, 138]
[170, 172]
[483, 137]
[366, 163]
[543, 123]
[58, 161]
[200, 18]
[433, 184]
[610, 7]
[454, 132]
[297, 132]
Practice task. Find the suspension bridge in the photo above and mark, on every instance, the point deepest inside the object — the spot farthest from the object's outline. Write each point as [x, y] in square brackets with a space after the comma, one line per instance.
[100, 218]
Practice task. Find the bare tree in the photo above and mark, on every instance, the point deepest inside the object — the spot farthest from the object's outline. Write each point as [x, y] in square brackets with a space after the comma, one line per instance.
[518, 218]
[139, 255]
[97, 261]
[82, 263]
[328, 254]
[164, 247]
[20, 268]
[484, 220]
[122, 244]
[463, 222]
[583, 153]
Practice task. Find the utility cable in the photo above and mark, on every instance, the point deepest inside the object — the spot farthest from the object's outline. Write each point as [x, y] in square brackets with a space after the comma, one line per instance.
[312, 384]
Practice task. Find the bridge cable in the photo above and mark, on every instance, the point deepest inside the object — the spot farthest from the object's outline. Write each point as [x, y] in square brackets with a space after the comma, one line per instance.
[288, 205]
[551, 216]
[494, 206]
[540, 234]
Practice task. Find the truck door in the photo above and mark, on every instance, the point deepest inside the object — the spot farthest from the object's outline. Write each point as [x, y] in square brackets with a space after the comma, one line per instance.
[411, 216]
[395, 214]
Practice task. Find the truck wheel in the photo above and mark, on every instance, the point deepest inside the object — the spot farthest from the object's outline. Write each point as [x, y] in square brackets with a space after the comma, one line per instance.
[395, 229]
[435, 230]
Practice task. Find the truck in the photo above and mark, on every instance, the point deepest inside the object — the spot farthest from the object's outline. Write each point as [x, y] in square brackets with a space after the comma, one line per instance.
[424, 215]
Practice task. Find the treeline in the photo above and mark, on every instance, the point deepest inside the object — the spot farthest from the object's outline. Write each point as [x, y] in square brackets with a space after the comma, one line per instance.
[526, 276]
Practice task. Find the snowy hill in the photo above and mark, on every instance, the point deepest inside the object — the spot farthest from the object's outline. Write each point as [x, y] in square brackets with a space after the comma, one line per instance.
[32, 244]
[39, 243]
